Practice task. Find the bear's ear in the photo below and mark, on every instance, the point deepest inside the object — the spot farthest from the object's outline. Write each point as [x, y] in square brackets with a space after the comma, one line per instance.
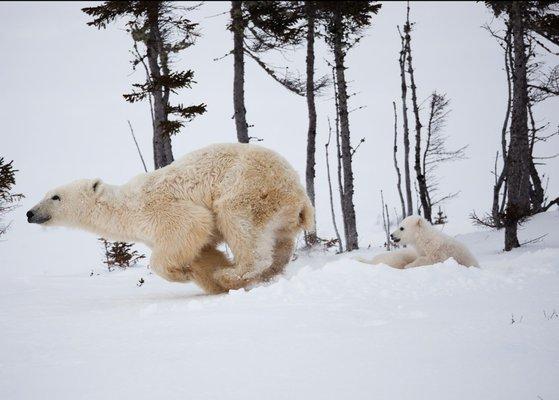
[420, 222]
[96, 185]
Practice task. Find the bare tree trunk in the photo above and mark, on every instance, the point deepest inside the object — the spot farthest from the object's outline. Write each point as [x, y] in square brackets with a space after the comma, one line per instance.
[537, 193]
[406, 133]
[518, 176]
[137, 147]
[496, 209]
[162, 151]
[347, 201]
[421, 182]
[164, 61]
[385, 224]
[338, 146]
[340, 246]
[399, 182]
[238, 28]
[310, 237]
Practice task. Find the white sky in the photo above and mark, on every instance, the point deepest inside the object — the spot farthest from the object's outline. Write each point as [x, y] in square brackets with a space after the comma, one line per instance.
[63, 116]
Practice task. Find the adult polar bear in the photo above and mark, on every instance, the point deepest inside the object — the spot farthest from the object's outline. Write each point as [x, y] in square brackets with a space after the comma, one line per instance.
[430, 246]
[244, 195]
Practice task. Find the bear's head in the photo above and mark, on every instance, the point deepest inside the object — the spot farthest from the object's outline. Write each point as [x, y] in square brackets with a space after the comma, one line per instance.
[67, 205]
[408, 229]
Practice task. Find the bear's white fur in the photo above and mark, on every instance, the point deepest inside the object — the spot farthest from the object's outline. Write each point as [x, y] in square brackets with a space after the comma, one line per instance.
[397, 258]
[431, 246]
[242, 194]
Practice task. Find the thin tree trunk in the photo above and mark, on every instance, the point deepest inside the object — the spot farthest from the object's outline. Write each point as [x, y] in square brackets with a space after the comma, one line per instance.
[347, 203]
[518, 176]
[137, 146]
[421, 182]
[398, 174]
[428, 143]
[496, 209]
[385, 225]
[340, 246]
[338, 146]
[310, 237]
[164, 61]
[406, 133]
[537, 193]
[238, 28]
[162, 152]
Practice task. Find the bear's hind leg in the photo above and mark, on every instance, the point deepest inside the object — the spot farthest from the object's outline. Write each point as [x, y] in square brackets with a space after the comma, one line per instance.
[283, 252]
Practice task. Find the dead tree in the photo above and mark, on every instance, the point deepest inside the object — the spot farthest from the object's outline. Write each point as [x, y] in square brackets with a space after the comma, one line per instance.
[436, 152]
[395, 151]
[420, 176]
[338, 145]
[385, 223]
[137, 147]
[406, 131]
[333, 213]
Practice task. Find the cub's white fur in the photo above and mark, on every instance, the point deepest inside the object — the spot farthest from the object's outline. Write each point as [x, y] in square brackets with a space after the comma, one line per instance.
[396, 258]
[431, 246]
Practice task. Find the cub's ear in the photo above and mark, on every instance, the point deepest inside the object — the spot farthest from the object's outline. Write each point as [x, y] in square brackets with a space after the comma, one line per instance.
[420, 221]
[96, 185]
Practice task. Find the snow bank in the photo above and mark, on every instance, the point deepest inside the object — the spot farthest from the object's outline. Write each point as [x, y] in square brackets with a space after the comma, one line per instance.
[330, 328]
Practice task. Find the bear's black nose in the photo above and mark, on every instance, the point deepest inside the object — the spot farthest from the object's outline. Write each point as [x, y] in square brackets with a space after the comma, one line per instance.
[29, 215]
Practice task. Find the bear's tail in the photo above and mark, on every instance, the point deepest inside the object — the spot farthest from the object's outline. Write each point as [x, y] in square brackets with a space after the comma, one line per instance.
[306, 216]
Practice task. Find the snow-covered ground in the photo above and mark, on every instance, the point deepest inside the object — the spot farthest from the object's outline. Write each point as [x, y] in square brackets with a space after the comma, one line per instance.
[331, 328]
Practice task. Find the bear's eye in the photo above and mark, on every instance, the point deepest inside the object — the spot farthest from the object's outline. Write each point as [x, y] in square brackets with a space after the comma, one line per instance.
[55, 197]
[401, 228]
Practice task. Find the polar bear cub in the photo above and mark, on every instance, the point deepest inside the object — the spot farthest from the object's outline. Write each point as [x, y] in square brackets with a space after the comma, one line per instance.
[430, 246]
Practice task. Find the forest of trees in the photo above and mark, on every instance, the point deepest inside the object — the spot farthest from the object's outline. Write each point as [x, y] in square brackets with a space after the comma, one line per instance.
[162, 31]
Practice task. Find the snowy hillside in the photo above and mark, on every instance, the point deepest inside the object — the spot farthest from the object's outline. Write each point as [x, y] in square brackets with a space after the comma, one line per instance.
[331, 328]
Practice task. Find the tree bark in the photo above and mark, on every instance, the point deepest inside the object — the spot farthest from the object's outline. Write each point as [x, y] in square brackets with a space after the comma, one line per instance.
[338, 146]
[238, 28]
[162, 149]
[406, 133]
[398, 174]
[421, 181]
[348, 207]
[518, 176]
[332, 212]
[537, 193]
[496, 209]
[311, 132]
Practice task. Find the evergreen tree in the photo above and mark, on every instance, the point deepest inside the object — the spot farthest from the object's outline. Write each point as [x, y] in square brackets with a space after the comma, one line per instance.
[8, 199]
[160, 30]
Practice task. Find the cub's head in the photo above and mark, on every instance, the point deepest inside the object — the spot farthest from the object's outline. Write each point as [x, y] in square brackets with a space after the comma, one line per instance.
[408, 229]
[67, 205]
